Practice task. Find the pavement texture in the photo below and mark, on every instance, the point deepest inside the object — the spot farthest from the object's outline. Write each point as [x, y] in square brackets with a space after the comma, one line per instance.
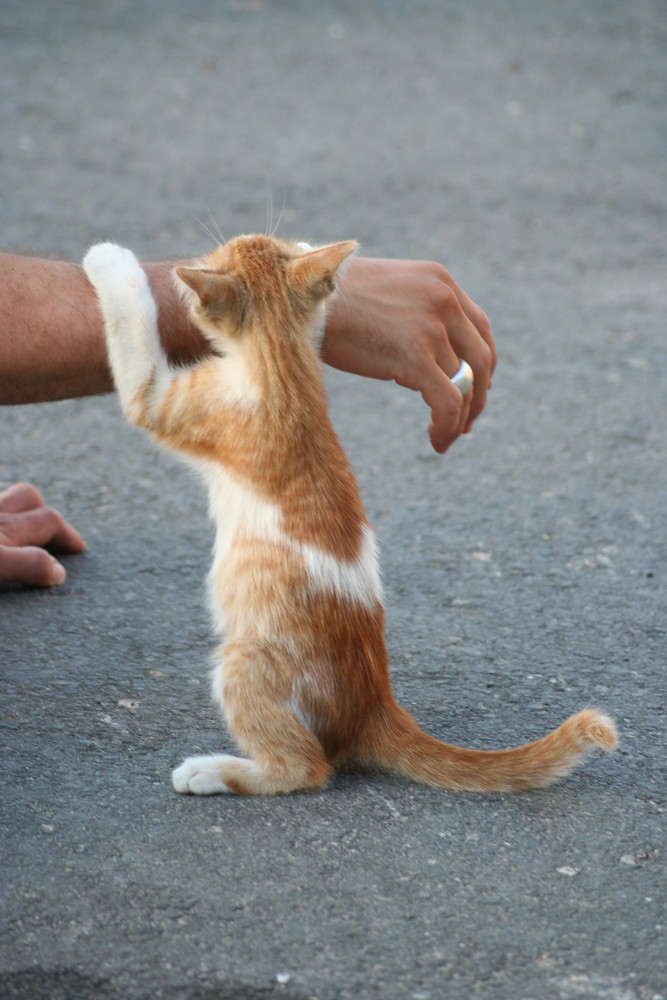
[524, 145]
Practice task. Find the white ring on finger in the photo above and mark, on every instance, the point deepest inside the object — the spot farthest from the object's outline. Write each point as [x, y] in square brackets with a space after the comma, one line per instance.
[463, 379]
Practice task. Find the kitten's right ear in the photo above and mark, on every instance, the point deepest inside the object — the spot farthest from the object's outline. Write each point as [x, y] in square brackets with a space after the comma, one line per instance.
[316, 269]
[215, 294]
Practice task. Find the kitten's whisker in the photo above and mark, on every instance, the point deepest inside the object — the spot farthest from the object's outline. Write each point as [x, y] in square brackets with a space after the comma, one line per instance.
[280, 215]
[269, 212]
[208, 232]
[215, 233]
[216, 227]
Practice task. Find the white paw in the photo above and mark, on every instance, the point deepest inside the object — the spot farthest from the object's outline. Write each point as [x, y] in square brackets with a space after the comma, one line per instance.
[200, 775]
[106, 264]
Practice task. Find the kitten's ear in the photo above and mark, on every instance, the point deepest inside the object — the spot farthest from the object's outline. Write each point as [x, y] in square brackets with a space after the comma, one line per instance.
[215, 294]
[317, 268]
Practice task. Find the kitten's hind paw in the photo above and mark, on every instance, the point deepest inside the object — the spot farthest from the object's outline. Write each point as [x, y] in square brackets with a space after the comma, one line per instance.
[200, 776]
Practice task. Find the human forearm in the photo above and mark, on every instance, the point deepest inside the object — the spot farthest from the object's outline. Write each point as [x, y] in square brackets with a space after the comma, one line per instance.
[391, 319]
[52, 343]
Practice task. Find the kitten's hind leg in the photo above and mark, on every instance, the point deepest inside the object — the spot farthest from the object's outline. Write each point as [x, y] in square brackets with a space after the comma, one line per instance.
[129, 311]
[219, 773]
[295, 762]
[284, 755]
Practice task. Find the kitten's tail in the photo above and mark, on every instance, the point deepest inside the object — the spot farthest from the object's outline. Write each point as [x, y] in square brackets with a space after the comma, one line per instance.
[394, 742]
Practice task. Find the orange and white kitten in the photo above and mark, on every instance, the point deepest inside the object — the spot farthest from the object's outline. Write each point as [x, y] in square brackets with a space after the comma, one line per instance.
[302, 674]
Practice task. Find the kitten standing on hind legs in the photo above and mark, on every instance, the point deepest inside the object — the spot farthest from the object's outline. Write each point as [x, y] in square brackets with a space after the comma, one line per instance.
[302, 674]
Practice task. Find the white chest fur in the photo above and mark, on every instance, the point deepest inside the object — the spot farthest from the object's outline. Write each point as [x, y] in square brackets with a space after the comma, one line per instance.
[238, 512]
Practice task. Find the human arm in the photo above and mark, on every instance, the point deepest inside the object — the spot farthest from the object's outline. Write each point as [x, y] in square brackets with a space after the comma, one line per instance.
[390, 319]
[402, 320]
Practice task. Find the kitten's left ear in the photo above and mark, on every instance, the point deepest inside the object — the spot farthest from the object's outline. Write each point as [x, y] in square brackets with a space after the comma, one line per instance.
[214, 293]
[317, 268]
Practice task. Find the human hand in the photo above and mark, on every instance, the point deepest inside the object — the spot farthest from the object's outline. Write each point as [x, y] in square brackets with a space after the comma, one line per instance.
[409, 321]
[26, 526]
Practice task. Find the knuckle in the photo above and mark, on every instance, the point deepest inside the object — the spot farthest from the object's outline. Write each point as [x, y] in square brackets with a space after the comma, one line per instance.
[484, 329]
[30, 494]
[433, 271]
[484, 325]
[444, 300]
[485, 362]
[22, 494]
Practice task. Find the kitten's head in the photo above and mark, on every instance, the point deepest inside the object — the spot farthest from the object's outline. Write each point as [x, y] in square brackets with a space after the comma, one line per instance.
[257, 280]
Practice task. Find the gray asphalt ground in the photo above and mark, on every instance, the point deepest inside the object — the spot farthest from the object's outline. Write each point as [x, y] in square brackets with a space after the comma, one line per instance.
[523, 144]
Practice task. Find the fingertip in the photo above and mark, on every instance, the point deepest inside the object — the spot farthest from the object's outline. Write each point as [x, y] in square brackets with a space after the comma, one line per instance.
[58, 574]
[65, 537]
[78, 544]
[438, 446]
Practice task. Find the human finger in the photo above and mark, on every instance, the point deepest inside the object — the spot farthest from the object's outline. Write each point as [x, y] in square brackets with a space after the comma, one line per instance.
[428, 368]
[457, 340]
[469, 346]
[20, 497]
[465, 340]
[477, 317]
[449, 409]
[469, 331]
[41, 526]
[31, 566]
